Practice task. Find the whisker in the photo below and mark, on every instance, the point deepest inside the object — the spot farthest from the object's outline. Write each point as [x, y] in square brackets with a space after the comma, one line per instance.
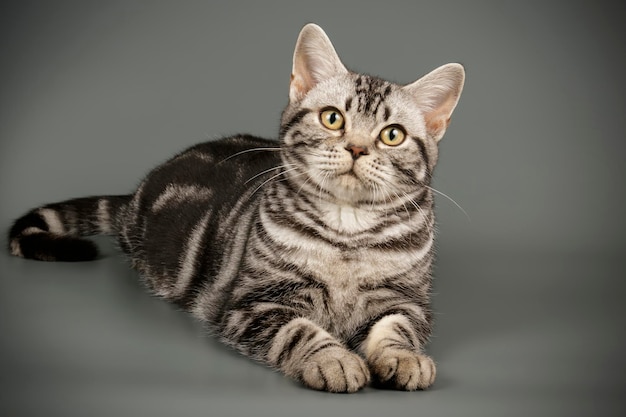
[387, 197]
[270, 179]
[250, 150]
[451, 199]
[375, 188]
[303, 184]
[423, 214]
[268, 170]
[292, 176]
[321, 186]
[404, 204]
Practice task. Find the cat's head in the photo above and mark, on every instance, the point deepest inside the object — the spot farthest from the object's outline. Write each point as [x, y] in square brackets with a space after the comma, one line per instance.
[357, 138]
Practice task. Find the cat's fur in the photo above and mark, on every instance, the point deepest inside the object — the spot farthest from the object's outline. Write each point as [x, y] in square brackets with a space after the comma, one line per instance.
[312, 255]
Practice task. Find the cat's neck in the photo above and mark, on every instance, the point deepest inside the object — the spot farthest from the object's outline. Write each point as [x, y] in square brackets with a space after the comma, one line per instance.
[347, 219]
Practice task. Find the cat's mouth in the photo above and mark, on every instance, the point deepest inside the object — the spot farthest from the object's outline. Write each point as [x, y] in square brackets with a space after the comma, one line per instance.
[348, 172]
[351, 173]
[350, 179]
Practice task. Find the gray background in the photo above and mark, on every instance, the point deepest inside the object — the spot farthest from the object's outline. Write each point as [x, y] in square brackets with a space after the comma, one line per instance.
[529, 290]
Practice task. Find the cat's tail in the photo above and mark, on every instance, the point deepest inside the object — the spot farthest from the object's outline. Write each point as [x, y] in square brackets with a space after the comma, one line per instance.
[55, 232]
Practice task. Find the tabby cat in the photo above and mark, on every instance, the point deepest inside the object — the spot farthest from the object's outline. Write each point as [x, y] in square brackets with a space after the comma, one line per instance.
[312, 255]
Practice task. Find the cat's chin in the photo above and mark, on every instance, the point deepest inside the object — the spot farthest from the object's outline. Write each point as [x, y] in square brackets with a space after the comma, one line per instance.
[349, 181]
[350, 187]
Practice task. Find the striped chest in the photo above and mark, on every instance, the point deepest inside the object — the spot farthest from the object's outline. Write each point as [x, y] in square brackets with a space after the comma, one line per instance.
[346, 287]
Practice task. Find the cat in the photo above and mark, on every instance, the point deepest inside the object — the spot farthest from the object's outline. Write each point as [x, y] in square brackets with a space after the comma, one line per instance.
[311, 254]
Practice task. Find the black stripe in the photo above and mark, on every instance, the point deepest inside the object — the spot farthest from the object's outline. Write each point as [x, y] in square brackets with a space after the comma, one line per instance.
[425, 157]
[210, 265]
[308, 231]
[422, 329]
[371, 93]
[408, 241]
[324, 379]
[211, 262]
[324, 344]
[295, 155]
[295, 119]
[32, 219]
[287, 351]
[274, 292]
[389, 342]
[260, 331]
[405, 333]
[407, 286]
[79, 214]
[407, 172]
[387, 113]
[48, 247]
[298, 196]
[343, 372]
[297, 134]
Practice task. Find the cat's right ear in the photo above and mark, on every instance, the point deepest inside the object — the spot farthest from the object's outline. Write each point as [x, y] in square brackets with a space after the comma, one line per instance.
[437, 93]
[314, 60]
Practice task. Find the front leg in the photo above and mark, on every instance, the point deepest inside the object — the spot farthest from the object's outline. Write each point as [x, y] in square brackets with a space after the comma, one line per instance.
[306, 352]
[298, 347]
[393, 351]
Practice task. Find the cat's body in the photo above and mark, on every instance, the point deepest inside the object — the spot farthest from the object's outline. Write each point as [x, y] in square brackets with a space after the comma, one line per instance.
[312, 254]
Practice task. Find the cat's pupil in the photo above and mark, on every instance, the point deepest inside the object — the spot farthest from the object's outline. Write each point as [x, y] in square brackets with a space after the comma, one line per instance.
[393, 134]
[332, 118]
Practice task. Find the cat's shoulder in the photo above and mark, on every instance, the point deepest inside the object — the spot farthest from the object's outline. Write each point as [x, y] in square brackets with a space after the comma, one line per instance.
[226, 146]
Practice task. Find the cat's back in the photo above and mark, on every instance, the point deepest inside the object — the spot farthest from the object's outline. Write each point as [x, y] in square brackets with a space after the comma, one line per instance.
[187, 204]
[223, 168]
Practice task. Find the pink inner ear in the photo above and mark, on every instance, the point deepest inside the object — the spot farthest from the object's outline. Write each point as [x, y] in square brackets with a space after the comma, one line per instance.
[301, 78]
[438, 120]
[437, 94]
[436, 124]
[298, 87]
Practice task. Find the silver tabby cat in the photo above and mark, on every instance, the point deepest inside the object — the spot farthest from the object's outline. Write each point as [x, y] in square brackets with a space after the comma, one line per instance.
[312, 254]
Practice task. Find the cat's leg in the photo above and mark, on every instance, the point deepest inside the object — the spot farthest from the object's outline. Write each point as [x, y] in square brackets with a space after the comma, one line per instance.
[394, 354]
[306, 352]
[296, 346]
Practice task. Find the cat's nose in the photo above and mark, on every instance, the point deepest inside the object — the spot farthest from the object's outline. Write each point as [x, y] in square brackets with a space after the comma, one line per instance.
[357, 151]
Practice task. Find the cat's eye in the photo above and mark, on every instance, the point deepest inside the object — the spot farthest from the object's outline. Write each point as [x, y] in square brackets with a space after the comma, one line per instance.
[332, 118]
[392, 135]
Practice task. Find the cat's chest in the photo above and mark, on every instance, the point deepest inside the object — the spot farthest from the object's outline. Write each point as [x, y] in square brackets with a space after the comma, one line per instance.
[346, 219]
[351, 280]
[341, 258]
[344, 274]
[345, 252]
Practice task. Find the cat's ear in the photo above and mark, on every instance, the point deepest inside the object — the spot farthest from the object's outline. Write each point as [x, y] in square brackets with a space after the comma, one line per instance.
[314, 60]
[437, 94]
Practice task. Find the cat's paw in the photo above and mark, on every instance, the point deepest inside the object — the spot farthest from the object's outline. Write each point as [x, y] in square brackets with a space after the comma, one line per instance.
[335, 369]
[403, 369]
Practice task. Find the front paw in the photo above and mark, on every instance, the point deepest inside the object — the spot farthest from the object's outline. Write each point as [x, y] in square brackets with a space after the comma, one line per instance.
[402, 369]
[335, 369]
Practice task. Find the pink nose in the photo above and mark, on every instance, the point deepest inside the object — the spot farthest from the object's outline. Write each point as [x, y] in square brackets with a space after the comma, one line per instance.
[357, 151]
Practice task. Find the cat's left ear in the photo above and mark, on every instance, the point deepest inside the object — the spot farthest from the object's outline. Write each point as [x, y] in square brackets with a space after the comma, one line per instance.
[314, 60]
[437, 94]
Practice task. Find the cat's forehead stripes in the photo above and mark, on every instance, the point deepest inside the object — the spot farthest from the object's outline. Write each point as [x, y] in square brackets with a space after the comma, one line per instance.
[371, 92]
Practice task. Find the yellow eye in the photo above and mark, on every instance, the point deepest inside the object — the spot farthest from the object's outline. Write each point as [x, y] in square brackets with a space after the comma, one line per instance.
[332, 118]
[392, 135]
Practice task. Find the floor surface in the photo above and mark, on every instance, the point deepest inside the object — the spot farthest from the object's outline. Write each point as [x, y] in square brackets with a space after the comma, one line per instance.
[86, 339]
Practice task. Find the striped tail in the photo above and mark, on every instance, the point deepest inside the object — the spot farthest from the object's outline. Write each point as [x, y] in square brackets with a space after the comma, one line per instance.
[55, 232]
